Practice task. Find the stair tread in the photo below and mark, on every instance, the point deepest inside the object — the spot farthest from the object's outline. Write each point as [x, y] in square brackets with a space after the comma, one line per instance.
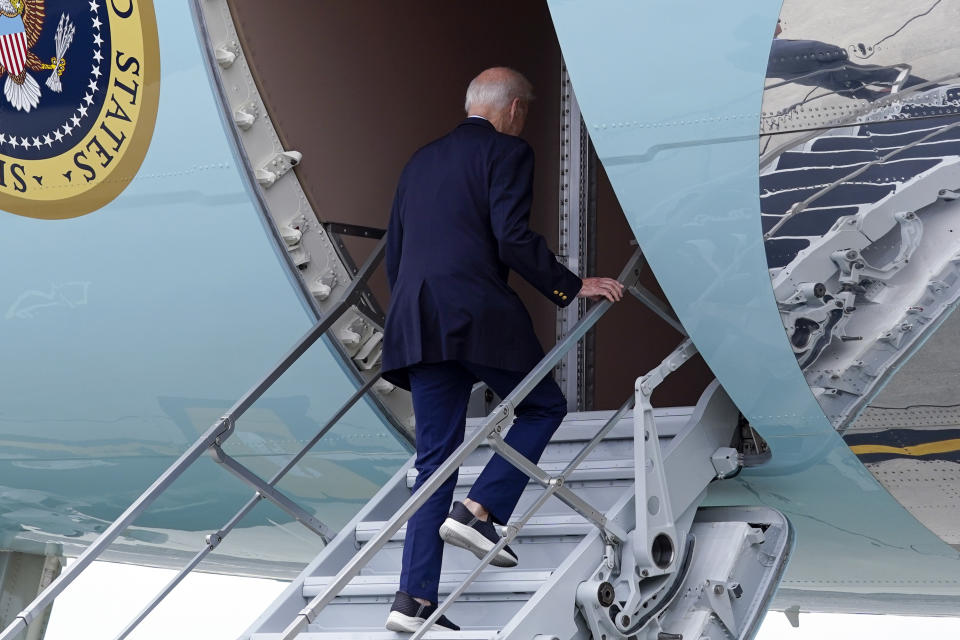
[467, 634]
[589, 470]
[491, 581]
[583, 425]
[537, 526]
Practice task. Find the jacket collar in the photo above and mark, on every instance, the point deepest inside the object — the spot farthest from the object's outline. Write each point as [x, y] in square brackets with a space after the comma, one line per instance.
[480, 122]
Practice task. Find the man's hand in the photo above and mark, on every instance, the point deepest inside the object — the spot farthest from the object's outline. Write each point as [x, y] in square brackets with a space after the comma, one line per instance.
[599, 288]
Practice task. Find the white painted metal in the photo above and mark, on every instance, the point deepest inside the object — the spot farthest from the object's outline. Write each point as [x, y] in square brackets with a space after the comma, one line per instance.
[896, 257]
[558, 551]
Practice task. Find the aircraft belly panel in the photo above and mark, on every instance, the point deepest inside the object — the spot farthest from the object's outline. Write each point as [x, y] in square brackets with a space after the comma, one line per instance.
[671, 94]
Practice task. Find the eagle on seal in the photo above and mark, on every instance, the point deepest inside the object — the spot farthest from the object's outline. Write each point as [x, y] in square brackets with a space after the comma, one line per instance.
[21, 22]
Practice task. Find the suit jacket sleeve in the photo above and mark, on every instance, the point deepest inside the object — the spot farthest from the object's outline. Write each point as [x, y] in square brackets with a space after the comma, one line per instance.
[524, 251]
[394, 241]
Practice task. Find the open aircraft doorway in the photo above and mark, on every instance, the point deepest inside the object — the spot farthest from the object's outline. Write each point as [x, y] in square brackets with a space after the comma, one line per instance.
[380, 81]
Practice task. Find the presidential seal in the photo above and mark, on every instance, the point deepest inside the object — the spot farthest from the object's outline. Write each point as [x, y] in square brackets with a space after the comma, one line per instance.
[81, 83]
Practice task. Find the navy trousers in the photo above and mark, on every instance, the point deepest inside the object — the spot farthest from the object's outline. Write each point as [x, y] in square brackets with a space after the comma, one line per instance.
[440, 394]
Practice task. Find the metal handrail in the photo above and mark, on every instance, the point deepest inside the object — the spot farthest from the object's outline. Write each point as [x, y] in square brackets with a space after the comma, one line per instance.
[799, 207]
[513, 529]
[492, 428]
[215, 436]
[214, 539]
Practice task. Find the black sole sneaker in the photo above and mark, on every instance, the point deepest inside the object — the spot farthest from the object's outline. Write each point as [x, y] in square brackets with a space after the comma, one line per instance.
[407, 615]
[463, 529]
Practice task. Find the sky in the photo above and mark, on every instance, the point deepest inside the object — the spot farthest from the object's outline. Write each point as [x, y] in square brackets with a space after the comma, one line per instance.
[214, 607]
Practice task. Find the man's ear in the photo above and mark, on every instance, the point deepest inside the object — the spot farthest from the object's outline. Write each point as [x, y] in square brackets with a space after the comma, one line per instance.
[514, 108]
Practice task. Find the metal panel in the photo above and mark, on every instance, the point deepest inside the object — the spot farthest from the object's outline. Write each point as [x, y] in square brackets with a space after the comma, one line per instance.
[682, 157]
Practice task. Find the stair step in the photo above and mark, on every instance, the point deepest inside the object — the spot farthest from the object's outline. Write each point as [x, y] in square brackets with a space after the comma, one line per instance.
[536, 527]
[492, 582]
[469, 634]
[586, 472]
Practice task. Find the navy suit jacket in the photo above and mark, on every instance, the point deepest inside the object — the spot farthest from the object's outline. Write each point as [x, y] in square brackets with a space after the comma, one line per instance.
[459, 223]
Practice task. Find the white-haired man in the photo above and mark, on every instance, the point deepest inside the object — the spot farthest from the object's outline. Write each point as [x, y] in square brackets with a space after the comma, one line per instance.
[459, 224]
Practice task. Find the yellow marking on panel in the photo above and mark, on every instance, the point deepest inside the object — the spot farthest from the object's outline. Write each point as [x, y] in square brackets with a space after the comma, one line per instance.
[943, 446]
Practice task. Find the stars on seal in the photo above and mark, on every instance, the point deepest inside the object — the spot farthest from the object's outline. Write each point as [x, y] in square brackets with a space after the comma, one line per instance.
[73, 121]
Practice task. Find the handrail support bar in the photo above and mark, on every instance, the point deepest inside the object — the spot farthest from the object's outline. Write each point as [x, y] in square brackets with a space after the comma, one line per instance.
[214, 539]
[269, 492]
[568, 497]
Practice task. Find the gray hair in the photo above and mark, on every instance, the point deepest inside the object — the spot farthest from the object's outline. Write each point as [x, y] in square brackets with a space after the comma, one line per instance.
[497, 90]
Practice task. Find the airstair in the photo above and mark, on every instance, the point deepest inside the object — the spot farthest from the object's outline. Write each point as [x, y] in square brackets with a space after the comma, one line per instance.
[611, 537]
[564, 557]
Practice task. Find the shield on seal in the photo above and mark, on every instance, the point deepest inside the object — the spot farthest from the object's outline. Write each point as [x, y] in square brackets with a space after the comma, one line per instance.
[13, 45]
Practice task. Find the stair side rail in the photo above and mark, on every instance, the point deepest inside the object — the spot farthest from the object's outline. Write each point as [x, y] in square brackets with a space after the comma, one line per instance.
[213, 540]
[212, 439]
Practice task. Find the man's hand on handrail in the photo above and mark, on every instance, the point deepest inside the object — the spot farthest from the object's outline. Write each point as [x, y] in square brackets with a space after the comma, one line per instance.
[600, 288]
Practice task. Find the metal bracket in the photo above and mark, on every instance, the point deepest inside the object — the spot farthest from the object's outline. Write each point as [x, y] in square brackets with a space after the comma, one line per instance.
[854, 268]
[718, 594]
[656, 305]
[655, 536]
[359, 231]
[277, 167]
[670, 483]
[228, 425]
[266, 490]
